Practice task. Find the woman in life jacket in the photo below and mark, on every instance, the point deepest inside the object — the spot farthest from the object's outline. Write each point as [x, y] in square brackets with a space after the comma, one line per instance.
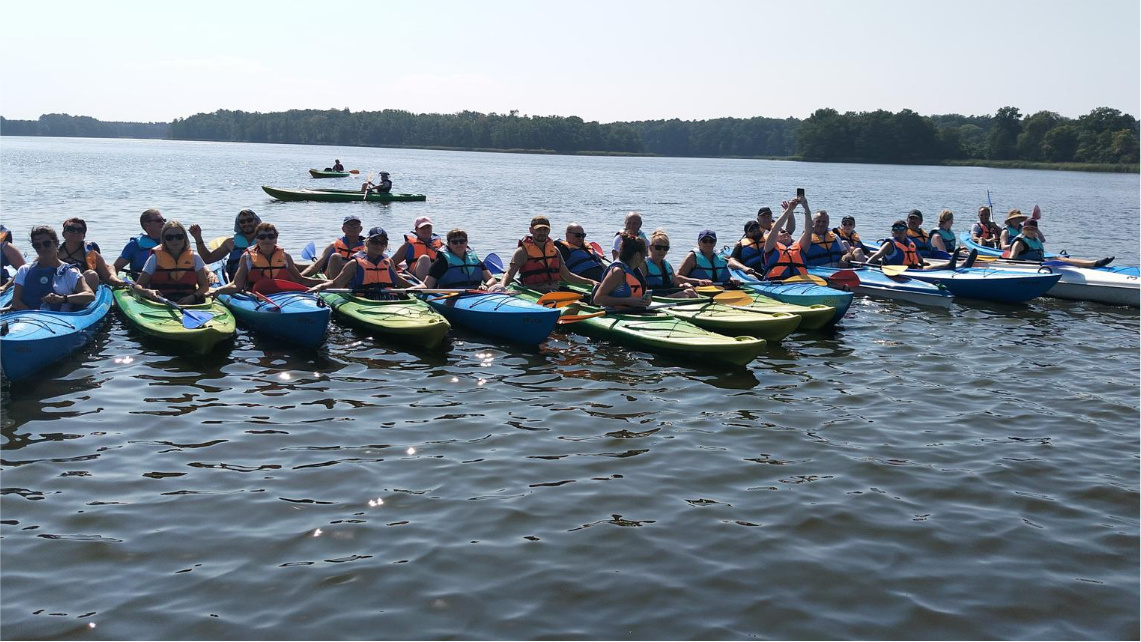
[943, 237]
[173, 270]
[899, 249]
[232, 248]
[419, 248]
[538, 262]
[660, 275]
[703, 263]
[623, 285]
[1012, 228]
[1029, 246]
[48, 283]
[265, 264]
[340, 251]
[985, 232]
[851, 239]
[370, 273]
[9, 256]
[84, 255]
[458, 266]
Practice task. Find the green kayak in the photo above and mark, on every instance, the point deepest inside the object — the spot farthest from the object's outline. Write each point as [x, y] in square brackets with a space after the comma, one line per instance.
[727, 319]
[658, 332]
[164, 322]
[338, 195]
[812, 317]
[322, 173]
[409, 320]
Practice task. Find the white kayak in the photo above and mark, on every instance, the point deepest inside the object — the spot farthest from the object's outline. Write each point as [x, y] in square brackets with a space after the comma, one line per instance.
[1081, 284]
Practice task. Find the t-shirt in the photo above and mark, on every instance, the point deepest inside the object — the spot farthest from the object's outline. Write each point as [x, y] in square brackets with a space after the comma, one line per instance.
[617, 246]
[63, 282]
[152, 263]
[134, 253]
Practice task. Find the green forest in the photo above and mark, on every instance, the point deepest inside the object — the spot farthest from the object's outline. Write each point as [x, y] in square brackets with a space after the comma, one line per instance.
[1103, 137]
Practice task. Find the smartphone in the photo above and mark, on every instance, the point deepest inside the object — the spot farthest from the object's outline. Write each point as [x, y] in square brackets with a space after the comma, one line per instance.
[800, 192]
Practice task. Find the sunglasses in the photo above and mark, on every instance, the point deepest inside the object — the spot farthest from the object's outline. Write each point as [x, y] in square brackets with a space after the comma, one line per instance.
[378, 240]
[265, 236]
[663, 248]
[246, 221]
[156, 220]
[580, 235]
[42, 244]
[708, 240]
[174, 237]
[898, 228]
[74, 229]
[457, 241]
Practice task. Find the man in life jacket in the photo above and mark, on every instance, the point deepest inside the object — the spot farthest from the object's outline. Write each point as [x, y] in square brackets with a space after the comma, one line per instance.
[748, 253]
[579, 257]
[851, 239]
[76, 250]
[632, 226]
[137, 250]
[419, 248]
[783, 256]
[825, 247]
[337, 166]
[10, 255]
[232, 248]
[370, 272]
[917, 234]
[538, 262]
[340, 251]
[985, 232]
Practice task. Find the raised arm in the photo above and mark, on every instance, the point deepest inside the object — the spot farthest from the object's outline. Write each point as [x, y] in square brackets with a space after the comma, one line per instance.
[208, 255]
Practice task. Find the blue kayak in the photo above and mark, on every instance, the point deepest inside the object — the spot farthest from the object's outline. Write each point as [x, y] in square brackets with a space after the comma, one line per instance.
[297, 317]
[875, 283]
[989, 284]
[32, 339]
[965, 238]
[798, 293]
[500, 315]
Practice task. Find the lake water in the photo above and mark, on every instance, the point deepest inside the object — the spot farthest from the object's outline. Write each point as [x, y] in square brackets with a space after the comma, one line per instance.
[916, 473]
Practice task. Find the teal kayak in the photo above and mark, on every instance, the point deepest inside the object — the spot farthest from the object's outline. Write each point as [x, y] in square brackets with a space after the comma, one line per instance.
[498, 314]
[297, 317]
[32, 339]
[798, 293]
[338, 195]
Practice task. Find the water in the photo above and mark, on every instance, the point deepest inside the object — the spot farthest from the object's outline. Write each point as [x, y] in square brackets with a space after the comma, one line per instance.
[970, 473]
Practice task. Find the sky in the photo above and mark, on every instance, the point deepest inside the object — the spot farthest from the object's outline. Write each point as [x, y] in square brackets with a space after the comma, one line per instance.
[124, 60]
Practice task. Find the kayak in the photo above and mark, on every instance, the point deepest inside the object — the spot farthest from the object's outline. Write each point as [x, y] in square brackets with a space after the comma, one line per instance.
[322, 173]
[875, 283]
[338, 195]
[799, 293]
[32, 339]
[732, 320]
[164, 322]
[656, 331]
[812, 317]
[298, 317]
[989, 284]
[500, 314]
[408, 320]
[965, 237]
[1080, 284]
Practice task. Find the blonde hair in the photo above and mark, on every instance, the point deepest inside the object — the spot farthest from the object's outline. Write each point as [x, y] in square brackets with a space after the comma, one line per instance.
[659, 234]
[945, 216]
[174, 225]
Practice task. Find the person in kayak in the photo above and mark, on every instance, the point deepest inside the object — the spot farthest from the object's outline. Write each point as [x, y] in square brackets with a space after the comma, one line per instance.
[84, 255]
[48, 283]
[1029, 246]
[985, 232]
[173, 270]
[371, 272]
[538, 262]
[632, 227]
[943, 237]
[825, 247]
[747, 254]
[263, 264]
[10, 255]
[703, 263]
[337, 166]
[458, 266]
[419, 248]
[382, 185]
[916, 233]
[901, 249]
[340, 251]
[1013, 227]
[579, 257]
[137, 250]
[232, 248]
[783, 256]
[850, 238]
[623, 285]
[765, 218]
[660, 275]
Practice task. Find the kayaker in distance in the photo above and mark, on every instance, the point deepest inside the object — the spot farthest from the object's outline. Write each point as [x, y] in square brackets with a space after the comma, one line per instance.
[985, 232]
[173, 270]
[458, 266]
[623, 286]
[340, 251]
[419, 248]
[943, 237]
[137, 250]
[703, 263]
[660, 275]
[851, 239]
[84, 256]
[632, 227]
[48, 283]
[370, 272]
[264, 263]
[244, 225]
[10, 255]
[580, 258]
[337, 166]
[381, 186]
[538, 262]
[1029, 246]
[916, 233]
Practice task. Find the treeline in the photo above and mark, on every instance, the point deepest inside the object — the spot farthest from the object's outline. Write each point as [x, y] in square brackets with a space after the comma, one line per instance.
[81, 126]
[1102, 136]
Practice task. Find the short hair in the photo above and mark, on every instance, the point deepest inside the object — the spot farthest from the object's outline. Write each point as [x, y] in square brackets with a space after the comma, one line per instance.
[75, 219]
[39, 230]
[455, 233]
[264, 227]
[821, 214]
[984, 208]
[147, 214]
[631, 245]
[945, 216]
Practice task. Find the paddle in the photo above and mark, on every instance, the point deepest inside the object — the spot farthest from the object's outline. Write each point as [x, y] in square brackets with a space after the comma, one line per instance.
[309, 252]
[191, 319]
[597, 248]
[367, 182]
[354, 171]
[893, 270]
[493, 263]
[273, 286]
[807, 278]
[266, 299]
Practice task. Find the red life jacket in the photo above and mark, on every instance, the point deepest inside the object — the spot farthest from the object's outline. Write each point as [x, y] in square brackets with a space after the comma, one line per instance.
[542, 264]
[788, 262]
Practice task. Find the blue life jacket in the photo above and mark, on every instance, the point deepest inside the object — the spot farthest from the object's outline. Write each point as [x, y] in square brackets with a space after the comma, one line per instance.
[824, 250]
[921, 240]
[716, 270]
[656, 277]
[902, 254]
[4, 263]
[38, 284]
[633, 279]
[752, 253]
[240, 245]
[463, 272]
[1035, 250]
[581, 260]
[143, 245]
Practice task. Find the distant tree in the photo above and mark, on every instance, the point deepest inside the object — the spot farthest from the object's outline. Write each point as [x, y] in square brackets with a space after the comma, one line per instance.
[1002, 142]
[1034, 131]
[1060, 144]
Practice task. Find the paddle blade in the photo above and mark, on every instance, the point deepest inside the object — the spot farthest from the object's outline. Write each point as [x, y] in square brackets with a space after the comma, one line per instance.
[709, 289]
[846, 279]
[805, 278]
[733, 297]
[273, 286]
[194, 319]
[893, 270]
[493, 263]
[597, 248]
[575, 318]
[309, 252]
[217, 242]
[1036, 214]
[354, 171]
[558, 299]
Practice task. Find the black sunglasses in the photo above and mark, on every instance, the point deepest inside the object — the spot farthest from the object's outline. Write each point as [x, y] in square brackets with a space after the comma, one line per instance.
[898, 228]
[663, 248]
[708, 240]
[378, 240]
[246, 221]
[74, 229]
[174, 237]
[457, 241]
[580, 235]
[42, 244]
[267, 235]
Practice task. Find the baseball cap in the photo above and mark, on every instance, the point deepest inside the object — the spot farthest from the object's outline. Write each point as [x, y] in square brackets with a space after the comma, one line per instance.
[351, 217]
[378, 231]
[421, 222]
[707, 234]
[915, 213]
[765, 211]
[750, 225]
[541, 221]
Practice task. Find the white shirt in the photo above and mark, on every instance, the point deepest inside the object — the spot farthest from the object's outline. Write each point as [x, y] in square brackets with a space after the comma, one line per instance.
[63, 282]
[617, 247]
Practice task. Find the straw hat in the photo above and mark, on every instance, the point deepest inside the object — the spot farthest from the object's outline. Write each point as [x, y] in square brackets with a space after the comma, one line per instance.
[1015, 215]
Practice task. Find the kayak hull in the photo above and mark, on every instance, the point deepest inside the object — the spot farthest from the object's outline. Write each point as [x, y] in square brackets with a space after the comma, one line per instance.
[338, 196]
[812, 317]
[34, 339]
[300, 317]
[164, 323]
[499, 315]
[798, 293]
[320, 173]
[965, 238]
[404, 320]
[733, 320]
[875, 283]
[988, 284]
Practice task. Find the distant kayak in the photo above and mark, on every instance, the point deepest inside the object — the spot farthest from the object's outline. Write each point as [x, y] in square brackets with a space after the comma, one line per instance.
[323, 173]
[965, 237]
[338, 195]
[33, 339]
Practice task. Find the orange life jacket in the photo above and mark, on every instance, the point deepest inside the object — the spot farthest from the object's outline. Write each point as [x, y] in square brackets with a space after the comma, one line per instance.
[340, 246]
[263, 268]
[174, 277]
[420, 248]
[788, 262]
[910, 255]
[542, 264]
[372, 275]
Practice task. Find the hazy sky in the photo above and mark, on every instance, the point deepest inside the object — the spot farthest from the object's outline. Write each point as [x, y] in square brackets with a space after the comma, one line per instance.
[605, 61]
